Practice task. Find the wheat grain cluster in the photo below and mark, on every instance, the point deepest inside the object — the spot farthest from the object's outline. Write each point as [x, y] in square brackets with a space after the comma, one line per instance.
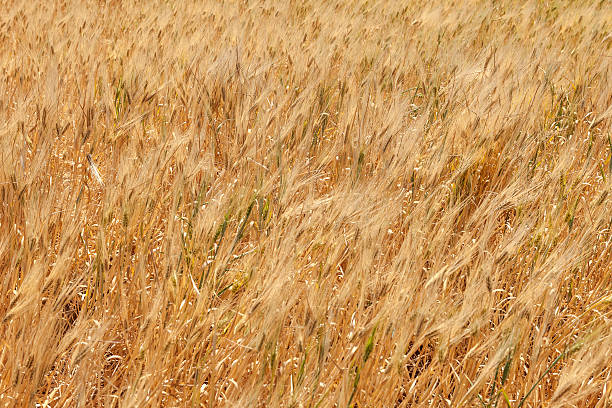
[305, 203]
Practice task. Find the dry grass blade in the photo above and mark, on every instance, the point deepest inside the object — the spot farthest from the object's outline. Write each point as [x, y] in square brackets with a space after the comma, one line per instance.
[94, 170]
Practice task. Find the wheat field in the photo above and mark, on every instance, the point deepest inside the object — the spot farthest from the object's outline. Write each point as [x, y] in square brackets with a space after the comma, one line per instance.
[306, 203]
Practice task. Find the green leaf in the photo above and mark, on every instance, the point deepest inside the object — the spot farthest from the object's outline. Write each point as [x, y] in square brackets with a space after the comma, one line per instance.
[506, 398]
[369, 346]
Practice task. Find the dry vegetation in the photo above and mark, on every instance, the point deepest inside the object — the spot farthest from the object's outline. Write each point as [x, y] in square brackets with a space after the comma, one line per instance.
[346, 203]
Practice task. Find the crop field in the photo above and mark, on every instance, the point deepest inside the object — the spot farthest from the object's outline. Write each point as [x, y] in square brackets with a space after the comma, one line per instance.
[293, 203]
